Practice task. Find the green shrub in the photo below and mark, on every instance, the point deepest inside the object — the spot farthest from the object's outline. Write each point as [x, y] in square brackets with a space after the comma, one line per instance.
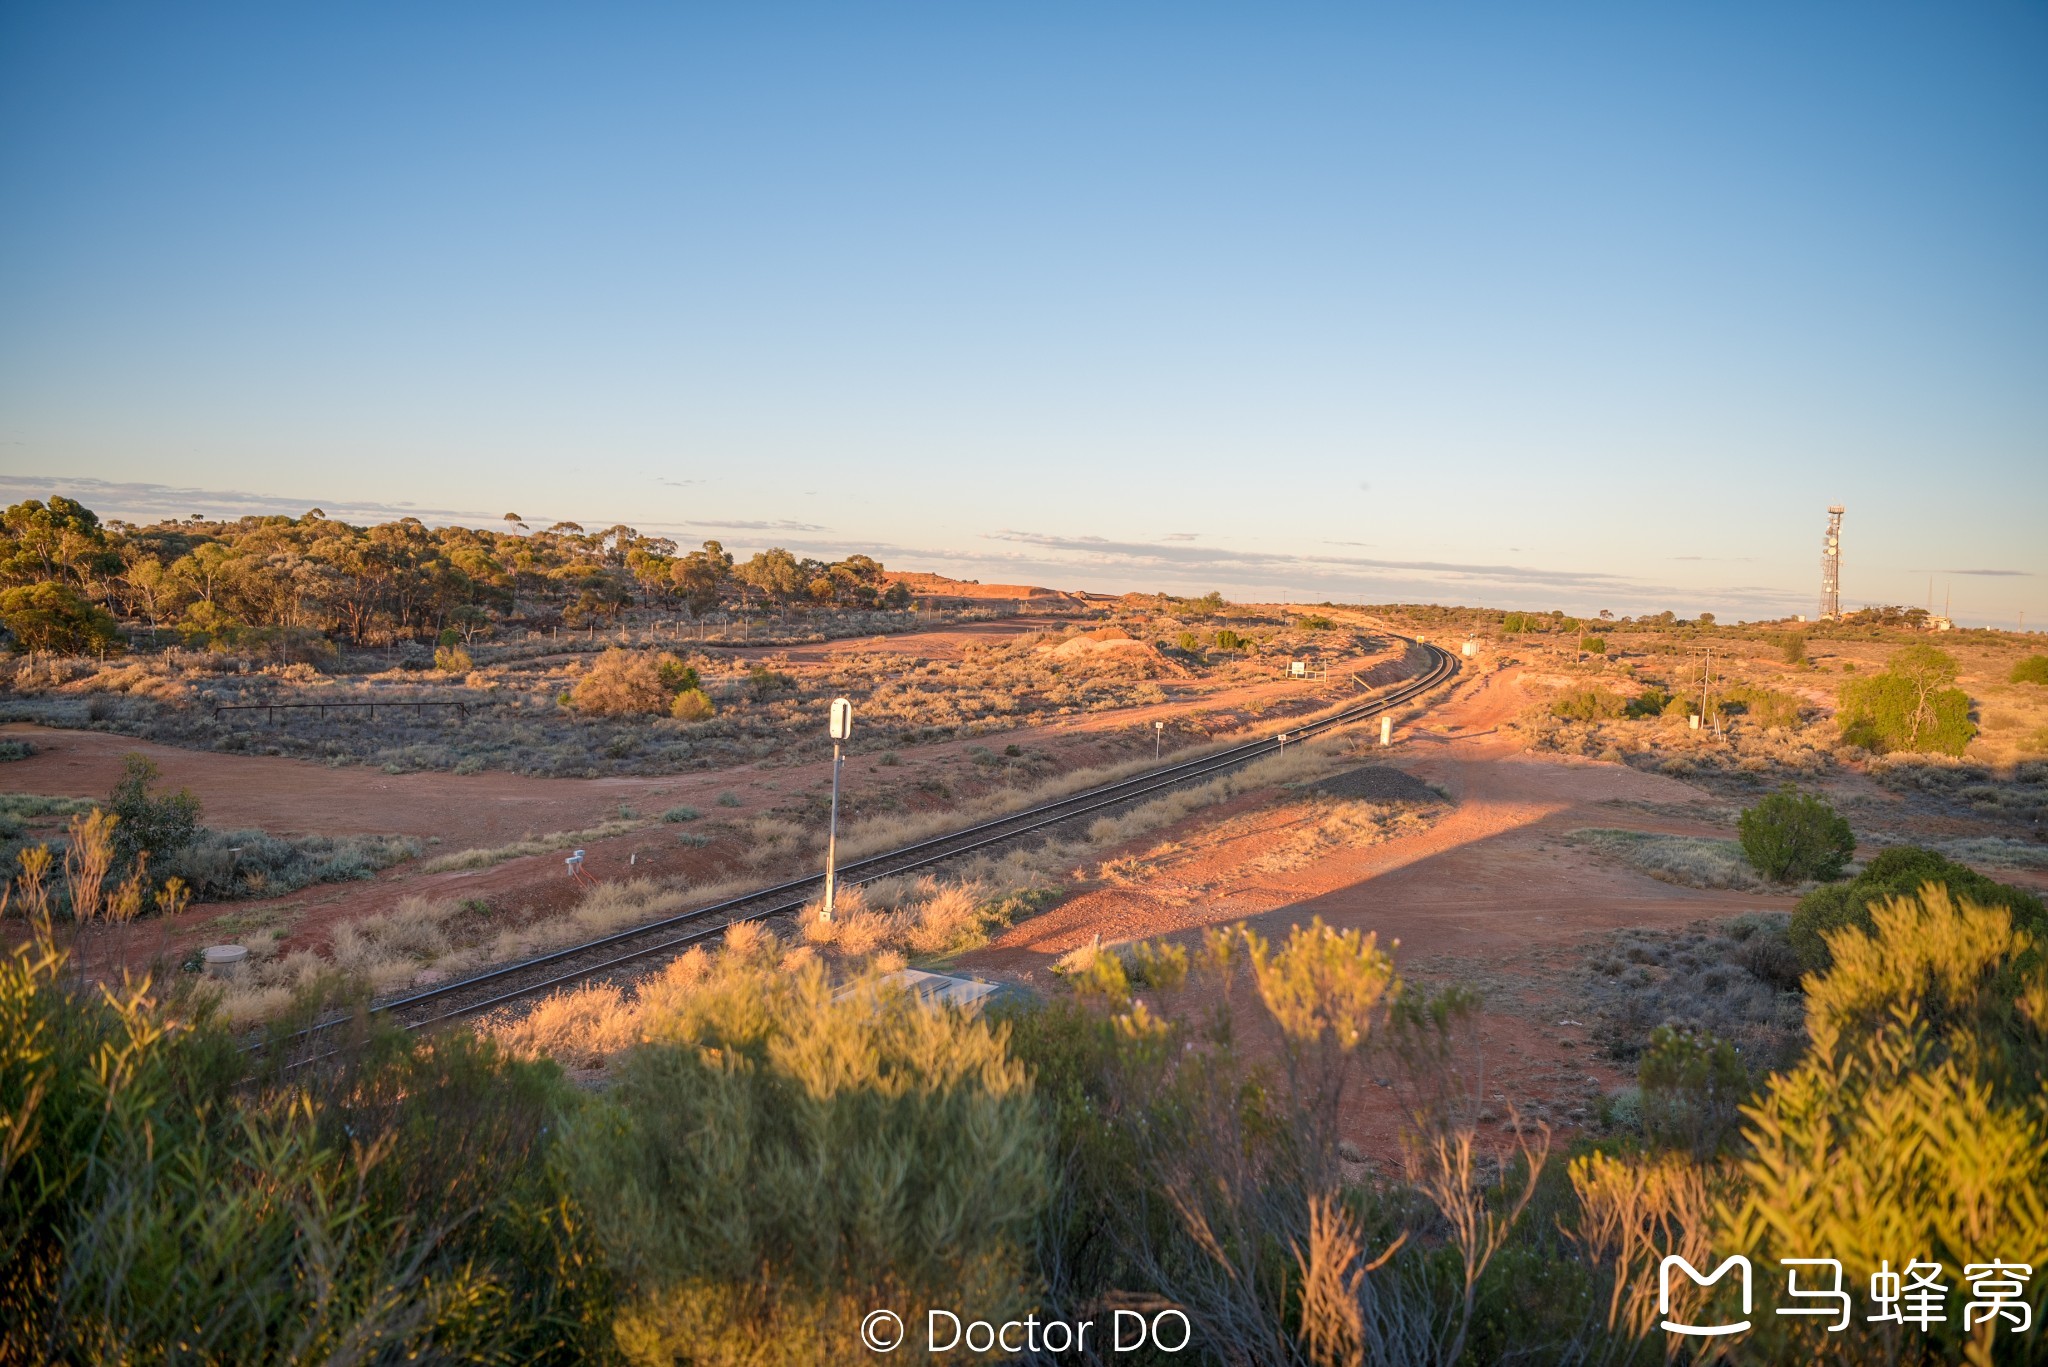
[779, 1160]
[16, 749]
[1912, 705]
[1593, 645]
[451, 658]
[764, 682]
[1902, 872]
[1692, 1088]
[1315, 623]
[165, 1199]
[1901, 1128]
[221, 865]
[692, 704]
[681, 814]
[1765, 706]
[1793, 649]
[1651, 702]
[1590, 704]
[1790, 837]
[54, 617]
[161, 824]
[2033, 670]
[621, 683]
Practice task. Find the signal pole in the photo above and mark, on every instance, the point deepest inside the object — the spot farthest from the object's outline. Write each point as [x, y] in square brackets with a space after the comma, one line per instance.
[841, 728]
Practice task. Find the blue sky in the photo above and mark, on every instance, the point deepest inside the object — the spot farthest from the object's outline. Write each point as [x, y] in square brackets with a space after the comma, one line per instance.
[1558, 305]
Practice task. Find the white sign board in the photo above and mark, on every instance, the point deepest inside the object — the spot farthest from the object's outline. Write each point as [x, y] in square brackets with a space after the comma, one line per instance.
[1297, 669]
[842, 719]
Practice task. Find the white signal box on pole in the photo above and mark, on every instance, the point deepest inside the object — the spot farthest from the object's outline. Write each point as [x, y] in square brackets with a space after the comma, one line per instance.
[842, 719]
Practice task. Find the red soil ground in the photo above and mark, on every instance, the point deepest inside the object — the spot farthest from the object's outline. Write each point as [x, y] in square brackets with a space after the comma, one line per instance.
[457, 812]
[1488, 891]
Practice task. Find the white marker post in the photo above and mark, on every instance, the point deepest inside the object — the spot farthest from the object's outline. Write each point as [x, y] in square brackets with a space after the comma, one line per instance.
[1158, 739]
[842, 727]
[1386, 729]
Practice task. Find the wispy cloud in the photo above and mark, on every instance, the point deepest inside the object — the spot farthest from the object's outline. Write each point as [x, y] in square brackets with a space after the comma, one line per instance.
[137, 502]
[1312, 574]
[1181, 536]
[741, 525]
[1993, 574]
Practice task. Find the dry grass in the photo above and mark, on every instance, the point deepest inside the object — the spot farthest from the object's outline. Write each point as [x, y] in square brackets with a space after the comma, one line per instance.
[421, 941]
[532, 844]
[584, 1026]
[1687, 860]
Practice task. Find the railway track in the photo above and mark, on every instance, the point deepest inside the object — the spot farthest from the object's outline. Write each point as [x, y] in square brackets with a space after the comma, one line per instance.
[596, 959]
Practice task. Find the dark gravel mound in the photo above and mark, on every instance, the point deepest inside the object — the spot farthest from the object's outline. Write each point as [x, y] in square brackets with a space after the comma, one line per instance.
[1379, 783]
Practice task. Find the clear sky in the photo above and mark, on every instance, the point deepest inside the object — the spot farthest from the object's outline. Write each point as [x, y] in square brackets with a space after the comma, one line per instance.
[1542, 305]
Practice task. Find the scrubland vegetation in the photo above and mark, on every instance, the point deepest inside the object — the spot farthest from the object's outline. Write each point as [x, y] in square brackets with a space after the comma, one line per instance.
[569, 651]
[781, 1150]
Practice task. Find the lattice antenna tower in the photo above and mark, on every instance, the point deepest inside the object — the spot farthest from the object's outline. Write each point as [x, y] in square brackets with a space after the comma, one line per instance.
[1831, 566]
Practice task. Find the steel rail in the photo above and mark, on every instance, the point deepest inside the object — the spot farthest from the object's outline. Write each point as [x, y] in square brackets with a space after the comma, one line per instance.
[791, 895]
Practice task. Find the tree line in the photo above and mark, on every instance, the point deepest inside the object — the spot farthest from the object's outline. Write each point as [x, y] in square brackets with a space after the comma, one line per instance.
[69, 581]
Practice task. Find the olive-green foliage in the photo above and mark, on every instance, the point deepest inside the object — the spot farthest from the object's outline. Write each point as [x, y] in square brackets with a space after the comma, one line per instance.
[1898, 872]
[1793, 648]
[692, 704]
[223, 865]
[1790, 837]
[1651, 702]
[1593, 645]
[160, 823]
[1764, 706]
[623, 683]
[161, 1202]
[1912, 1130]
[2033, 669]
[451, 658]
[1590, 704]
[1912, 705]
[1692, 1085]
[777, 1161]
[54, 617]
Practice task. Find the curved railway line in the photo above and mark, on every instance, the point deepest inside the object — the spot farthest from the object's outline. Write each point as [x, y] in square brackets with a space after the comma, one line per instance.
[501, 986]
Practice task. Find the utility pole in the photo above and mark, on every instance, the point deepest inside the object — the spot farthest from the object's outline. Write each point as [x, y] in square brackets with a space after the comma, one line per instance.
[1706, 681]
[841, 727]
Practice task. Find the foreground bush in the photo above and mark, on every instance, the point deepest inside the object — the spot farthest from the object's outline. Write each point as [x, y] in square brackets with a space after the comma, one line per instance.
[1790, 837]
[161, 1202]
[2033, 669]
[779, 1162]
[1898, 872]
[1912, 1130]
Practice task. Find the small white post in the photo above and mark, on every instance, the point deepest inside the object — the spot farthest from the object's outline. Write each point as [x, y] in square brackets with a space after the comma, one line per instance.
[841, 727]
[1386, 729]
[1158, 739]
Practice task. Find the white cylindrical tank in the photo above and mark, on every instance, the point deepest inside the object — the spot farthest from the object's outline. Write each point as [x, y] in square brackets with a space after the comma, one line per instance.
[222, 960]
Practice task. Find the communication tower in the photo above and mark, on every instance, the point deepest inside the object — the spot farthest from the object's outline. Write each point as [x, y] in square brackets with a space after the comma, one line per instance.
[1831, 566]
